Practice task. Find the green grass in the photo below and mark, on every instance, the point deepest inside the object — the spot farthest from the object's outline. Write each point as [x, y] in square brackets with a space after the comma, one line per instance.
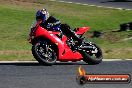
[15, 21]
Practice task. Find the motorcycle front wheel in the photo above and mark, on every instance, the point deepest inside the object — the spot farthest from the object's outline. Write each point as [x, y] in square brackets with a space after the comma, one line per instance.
[44, 52]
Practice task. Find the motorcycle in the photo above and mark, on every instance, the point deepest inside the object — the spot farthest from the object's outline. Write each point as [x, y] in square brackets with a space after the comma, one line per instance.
[49, 46]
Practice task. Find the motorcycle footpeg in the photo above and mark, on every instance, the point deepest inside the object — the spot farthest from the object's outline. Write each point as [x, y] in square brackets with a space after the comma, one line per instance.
[73, 48]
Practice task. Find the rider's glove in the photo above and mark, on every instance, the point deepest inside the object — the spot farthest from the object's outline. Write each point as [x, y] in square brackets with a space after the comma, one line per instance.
[49, 25]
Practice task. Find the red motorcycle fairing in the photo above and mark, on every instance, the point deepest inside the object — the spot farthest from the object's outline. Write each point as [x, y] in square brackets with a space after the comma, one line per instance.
[69, 55]
[65, 53]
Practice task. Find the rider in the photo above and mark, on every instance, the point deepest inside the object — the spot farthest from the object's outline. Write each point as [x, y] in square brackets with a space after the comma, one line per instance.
[47, 22]
[50, 21]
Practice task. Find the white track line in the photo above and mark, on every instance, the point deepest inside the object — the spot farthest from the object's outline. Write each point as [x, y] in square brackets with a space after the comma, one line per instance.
[116, 59]
[90, 5]
[18, 61]
[59, 61]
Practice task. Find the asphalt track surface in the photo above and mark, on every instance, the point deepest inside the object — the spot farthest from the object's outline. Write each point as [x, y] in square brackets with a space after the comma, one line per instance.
[105, 3]
[61, 75]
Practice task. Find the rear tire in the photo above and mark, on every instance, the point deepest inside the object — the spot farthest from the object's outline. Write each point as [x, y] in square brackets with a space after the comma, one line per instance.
[45, 56]
[92, 58]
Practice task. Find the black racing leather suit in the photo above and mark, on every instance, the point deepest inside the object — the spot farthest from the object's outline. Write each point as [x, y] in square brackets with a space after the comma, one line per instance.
[63, 27]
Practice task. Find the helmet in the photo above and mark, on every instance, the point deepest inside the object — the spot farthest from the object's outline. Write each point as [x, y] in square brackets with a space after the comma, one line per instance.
[42, 15]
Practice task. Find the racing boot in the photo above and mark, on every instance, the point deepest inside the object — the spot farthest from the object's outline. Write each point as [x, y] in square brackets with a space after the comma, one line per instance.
[65, 28]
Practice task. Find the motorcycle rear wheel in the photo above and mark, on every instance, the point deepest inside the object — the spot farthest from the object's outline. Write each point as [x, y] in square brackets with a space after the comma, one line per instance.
[44, 53]
[92, 58]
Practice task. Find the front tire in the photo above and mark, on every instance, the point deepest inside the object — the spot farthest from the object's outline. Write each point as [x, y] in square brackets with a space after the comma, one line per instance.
[44, 52]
